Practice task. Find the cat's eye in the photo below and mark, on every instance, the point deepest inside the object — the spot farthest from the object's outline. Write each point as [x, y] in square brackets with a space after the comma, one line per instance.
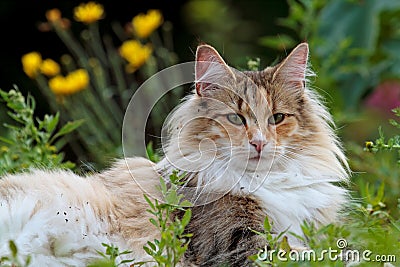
[236, 119]
[276, 118]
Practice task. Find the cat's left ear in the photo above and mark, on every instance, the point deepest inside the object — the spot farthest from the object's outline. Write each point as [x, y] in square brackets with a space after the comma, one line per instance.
[293, 69]
[210, 69]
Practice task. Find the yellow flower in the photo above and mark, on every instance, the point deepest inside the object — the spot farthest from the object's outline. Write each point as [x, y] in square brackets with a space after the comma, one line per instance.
[53, 15]
[145, 24]
[135, 53]
[89, 12]
[31, 63]
[80, 78]
[54, 19]
[369, 144]
[72, 83]
[49, 67]
[4, 149]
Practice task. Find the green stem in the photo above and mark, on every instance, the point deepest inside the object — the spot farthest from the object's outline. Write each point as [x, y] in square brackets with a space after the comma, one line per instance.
[109, 125]
[167, 35]
[93, 139]
[96, 43]
[78, 110]
[104, 93]
[388, 147]
[83, 134]
[117, 70]
[72, 45]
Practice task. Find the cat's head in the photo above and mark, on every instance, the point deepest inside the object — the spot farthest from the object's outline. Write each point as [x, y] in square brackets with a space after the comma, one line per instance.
[254, 122]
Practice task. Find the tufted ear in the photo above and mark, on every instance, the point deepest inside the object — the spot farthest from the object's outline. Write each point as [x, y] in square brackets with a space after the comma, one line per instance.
[210, 69]
[293, 69]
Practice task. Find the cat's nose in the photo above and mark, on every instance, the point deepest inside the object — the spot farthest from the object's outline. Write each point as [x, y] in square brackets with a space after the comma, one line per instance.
[258, 144]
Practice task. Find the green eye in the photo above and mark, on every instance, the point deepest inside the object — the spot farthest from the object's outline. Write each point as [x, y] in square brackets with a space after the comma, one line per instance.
[236, 119]
[276, 118]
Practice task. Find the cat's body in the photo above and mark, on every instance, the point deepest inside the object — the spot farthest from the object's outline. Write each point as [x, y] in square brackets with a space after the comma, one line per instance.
[250, 144]
[61, 219]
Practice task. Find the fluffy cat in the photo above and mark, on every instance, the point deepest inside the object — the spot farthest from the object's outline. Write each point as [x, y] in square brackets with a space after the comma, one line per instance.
[250, 144]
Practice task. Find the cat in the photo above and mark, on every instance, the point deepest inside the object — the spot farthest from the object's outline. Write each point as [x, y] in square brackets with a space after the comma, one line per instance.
[249, 144]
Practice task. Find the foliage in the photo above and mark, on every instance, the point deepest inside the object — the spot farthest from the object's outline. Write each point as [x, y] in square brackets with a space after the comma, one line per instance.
[98, 76]
[110, 256]
[32, 142]
[151, 154]
[274, 242]
[13, 260]
[381, 143]
[173, 241]
[349, 62]
[367, 230]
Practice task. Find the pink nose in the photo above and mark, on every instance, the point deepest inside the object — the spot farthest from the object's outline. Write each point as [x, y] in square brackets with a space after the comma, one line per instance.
[258, 144]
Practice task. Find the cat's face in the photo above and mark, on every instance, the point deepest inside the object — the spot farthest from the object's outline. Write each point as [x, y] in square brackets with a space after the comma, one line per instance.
[247, 118]
[239, 120]
[255, 122]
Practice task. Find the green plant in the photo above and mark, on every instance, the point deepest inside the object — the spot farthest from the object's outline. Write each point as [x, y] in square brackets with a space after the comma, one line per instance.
[32, 142]
[173, 241]
[13, 260]
[274, 243]
[364, 229]
[349, 62]
[110, 256]
[96, 79]
[384, 144]
[151, 154]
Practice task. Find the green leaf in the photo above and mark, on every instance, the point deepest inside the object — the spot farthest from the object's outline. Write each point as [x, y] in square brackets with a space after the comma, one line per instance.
[151, 154]
[186, 218]
[5, 140]
[125, 252]
[125, 261]
[257, 232]
[28, 260]
[13, 248]
[381, 192]
[148, 251]
[284, 245]
[171, 198]
[186, 204]
[101, 253]
[152, 245]
[51, 122]
[163, 186]
[267, 225]
[149, 202]
[67, 128]
[153, 222]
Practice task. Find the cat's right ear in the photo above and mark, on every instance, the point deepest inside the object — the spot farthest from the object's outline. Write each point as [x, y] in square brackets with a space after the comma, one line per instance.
[293, 69]
[210, 69]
